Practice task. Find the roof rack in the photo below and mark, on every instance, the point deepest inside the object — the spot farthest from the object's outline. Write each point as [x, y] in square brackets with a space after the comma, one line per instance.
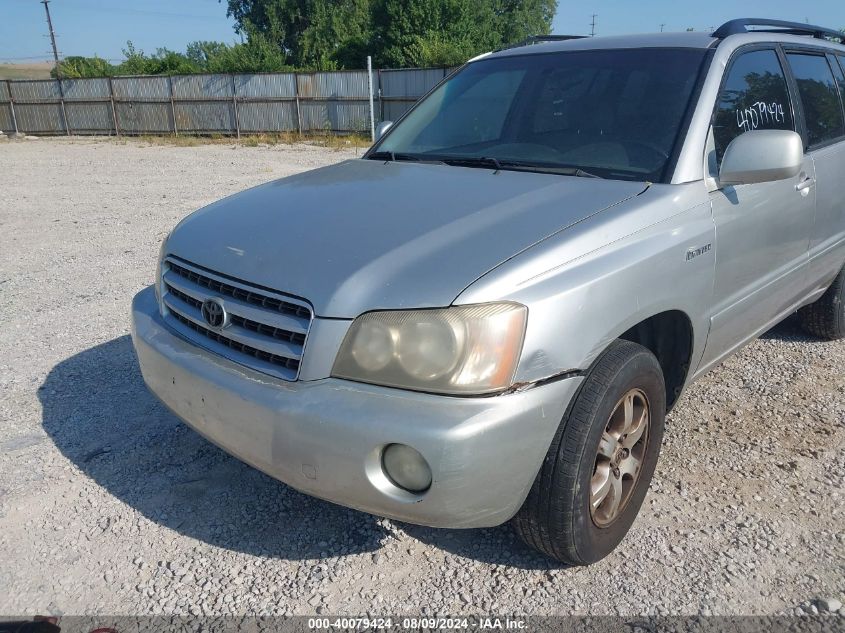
[777, 26]
[540, 39]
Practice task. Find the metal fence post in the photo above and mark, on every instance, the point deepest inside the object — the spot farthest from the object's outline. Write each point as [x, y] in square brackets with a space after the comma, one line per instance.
[380, 100]
[370, 90]
[298, 110]
[12, 106]
[113, 109]
[235, 105]
[64, 111]
[172, 105]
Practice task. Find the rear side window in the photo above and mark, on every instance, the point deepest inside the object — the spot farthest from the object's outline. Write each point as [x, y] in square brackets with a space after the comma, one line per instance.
[819, 96]
[754, 97]
[840, 75]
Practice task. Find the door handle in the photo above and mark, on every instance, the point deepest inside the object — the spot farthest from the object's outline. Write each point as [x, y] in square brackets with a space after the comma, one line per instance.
[805, 184]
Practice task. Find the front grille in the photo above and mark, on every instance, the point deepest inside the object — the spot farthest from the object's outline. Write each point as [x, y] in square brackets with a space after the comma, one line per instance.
[265, 331]
[237, 292]
[288, 363]
[248, 324]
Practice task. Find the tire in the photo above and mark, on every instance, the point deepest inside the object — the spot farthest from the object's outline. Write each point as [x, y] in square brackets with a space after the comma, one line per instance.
[556, 518]
[826, 317]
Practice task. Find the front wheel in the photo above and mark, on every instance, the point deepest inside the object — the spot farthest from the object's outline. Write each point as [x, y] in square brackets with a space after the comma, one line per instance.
[600, 463]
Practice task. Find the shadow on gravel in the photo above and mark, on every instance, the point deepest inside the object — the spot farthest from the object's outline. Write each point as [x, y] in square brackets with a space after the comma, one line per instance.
[100, 415]
[495, 546]
[789, 330]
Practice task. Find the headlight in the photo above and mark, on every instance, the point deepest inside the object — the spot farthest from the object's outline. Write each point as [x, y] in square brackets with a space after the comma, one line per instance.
[460, 350]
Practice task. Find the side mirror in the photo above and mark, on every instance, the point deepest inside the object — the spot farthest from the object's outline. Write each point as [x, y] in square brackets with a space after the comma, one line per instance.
[382, 128]
[762, 156]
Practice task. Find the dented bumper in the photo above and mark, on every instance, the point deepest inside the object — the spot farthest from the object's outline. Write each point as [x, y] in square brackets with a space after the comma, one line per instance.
[325, 437]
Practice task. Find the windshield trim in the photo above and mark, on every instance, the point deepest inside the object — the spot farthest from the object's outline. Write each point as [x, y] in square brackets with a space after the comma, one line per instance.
[669, 168]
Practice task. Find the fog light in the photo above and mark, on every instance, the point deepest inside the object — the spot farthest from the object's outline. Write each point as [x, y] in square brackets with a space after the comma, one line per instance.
[406, 468]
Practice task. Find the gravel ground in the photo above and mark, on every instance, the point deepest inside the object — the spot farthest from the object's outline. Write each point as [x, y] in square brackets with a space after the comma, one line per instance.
[108, 505]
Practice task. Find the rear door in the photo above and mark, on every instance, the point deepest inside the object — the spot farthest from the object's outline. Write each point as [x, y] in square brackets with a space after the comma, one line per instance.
[762, 230]
[821, 87]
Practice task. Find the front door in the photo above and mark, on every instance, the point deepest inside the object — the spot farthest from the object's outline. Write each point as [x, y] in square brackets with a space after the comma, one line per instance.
[762, 230]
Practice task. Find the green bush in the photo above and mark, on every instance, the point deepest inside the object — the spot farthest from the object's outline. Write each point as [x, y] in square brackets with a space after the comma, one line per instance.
[75, 67]
[255, 55]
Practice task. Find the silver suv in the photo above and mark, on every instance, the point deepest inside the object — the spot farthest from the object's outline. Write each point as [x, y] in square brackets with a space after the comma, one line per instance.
[489, 316]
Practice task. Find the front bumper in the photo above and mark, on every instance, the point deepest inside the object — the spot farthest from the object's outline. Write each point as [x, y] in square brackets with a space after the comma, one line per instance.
[325, 437]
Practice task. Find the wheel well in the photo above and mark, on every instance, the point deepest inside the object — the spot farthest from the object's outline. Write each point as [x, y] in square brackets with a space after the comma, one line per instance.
[669, 336]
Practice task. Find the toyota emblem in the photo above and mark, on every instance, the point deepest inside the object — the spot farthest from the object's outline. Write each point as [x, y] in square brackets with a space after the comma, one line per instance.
[214, 313]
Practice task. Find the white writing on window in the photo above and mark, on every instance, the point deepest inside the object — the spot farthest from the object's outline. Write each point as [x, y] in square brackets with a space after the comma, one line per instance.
[759, 114]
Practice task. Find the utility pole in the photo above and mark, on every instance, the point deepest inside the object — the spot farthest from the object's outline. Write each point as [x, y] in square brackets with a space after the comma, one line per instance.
[661, 27]
[46, 4]
[593, 25]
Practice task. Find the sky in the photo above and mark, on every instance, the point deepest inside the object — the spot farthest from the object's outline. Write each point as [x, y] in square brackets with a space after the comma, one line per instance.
[617, 17]
[102, 27]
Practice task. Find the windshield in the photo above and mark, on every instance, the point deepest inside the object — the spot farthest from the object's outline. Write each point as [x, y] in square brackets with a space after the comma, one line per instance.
[611, 113]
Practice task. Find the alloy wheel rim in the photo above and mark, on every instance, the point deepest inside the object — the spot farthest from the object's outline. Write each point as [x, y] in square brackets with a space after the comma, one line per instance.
[619, 458]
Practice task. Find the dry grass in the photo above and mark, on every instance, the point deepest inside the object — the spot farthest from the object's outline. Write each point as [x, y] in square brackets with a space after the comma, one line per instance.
[36, 70]
[332, 141]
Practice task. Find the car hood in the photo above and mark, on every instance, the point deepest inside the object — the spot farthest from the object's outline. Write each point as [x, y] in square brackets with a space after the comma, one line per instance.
[365, 235]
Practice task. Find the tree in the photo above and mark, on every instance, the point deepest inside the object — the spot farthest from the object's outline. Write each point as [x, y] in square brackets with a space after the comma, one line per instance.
[340, 33]
[519, 19]
[336, 34]
[163, 62]
[430, 32]
[337, 30]
[167, 62]
[135, 62]
[308, 32]
[448, 32]
[201, 53]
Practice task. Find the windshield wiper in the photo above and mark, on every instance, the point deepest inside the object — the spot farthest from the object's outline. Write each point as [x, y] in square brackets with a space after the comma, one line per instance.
[392, 157]
[563, 171]
[484, 162]
[513, 165]
[547, 169]
[472, 161]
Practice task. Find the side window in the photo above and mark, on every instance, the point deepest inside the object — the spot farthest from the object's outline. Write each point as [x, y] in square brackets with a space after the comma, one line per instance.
[754, 97]
[842, 83]
[819, 96]
[839, 73]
